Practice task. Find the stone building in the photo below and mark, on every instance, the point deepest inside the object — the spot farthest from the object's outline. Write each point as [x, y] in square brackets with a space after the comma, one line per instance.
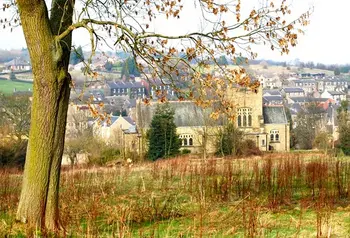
[266, 125]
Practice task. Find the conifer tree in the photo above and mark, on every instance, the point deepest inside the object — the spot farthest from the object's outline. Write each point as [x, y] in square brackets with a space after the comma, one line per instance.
[163, 140]
[344, 127]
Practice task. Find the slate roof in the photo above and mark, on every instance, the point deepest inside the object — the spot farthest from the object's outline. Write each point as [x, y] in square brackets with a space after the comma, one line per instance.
[274, 115]
[319, 99]
[272, 92]
[187, 114]
[293, 90]
[273, 98]
[122, 84]
[130, 120]
[335, 93]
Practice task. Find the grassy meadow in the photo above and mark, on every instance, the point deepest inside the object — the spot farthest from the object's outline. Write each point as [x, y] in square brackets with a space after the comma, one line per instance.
[7, 87]
[278, 195]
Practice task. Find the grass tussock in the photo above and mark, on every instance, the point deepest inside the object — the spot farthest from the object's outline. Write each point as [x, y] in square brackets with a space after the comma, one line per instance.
[285, 195]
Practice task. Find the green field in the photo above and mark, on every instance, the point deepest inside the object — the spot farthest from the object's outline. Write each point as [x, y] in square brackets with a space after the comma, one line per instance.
[7, 87]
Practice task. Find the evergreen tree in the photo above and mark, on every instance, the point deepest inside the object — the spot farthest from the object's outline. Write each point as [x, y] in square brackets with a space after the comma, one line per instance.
[344, 127]
[163, 140]
[129, 67]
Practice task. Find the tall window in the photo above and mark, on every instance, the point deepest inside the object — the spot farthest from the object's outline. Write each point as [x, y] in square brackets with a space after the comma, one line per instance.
[244, 117]
[274, 135]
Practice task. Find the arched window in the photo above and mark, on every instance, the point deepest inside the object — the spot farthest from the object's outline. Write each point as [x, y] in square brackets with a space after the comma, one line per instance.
[244, 117]
[277, 137]
[186, 139]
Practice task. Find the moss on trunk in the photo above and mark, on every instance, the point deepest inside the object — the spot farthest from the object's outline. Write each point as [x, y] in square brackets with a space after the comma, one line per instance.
[38, 205]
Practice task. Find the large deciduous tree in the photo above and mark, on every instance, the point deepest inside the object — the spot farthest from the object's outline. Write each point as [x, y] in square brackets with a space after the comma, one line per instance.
[230, 29]
[309, 122]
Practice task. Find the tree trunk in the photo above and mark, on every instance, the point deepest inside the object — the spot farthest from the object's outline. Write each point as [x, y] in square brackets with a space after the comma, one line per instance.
[38, 205]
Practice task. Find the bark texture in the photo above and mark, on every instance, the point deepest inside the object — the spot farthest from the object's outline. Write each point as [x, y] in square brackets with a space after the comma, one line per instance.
[38, 205]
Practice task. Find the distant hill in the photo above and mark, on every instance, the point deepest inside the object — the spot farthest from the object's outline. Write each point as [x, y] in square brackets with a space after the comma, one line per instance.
[271, 69]
[8, 55]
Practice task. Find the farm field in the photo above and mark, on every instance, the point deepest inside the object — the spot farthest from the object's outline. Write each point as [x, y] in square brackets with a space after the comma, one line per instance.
[7, 87]
[279, 195]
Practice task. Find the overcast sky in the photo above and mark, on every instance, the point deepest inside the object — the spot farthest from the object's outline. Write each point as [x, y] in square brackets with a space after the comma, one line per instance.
[326, 39]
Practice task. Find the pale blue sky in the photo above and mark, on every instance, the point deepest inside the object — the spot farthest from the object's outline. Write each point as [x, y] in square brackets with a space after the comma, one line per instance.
[326, 39]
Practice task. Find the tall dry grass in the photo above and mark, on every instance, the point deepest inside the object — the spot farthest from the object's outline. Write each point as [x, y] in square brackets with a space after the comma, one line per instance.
[193, 198]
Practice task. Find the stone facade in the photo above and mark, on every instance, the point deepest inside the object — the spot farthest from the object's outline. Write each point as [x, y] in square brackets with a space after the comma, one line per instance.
[267, 126]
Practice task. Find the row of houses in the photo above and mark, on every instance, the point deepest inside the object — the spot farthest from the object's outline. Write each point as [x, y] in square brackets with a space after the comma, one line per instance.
[310, 85]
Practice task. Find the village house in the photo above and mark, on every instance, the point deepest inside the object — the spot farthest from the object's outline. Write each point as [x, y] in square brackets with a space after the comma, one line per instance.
[134, 90]
[292, 92]
[269, 81]
[17, 64]
[118, 131]
[340, 85]
[308, 85]
[158, 88]
[79, 120]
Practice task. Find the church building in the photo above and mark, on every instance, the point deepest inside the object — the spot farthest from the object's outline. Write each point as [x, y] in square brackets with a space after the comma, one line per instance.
[266, 125]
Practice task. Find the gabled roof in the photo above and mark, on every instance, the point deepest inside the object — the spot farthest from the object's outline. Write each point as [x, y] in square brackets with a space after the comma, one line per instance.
[274, 115]
[16, 62]
[335, 93]
[273, 98]
[187, 114]
[130, 120]
[109, 122]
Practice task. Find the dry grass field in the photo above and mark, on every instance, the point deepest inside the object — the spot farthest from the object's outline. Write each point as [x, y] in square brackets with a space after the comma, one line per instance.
[278, 195]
